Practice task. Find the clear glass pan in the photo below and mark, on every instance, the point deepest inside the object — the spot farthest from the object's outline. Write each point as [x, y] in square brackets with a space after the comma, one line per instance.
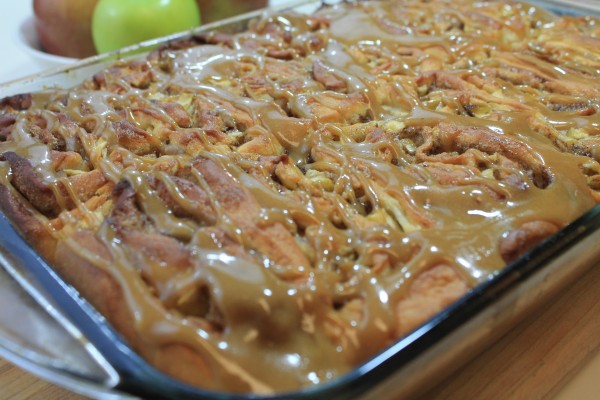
[92, 359]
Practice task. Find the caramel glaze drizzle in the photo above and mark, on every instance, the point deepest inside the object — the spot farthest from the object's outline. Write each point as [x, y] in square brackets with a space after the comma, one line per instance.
[267, 198]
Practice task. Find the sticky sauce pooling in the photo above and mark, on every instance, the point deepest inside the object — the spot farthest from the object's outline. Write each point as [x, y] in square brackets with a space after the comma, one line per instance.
[283, 203]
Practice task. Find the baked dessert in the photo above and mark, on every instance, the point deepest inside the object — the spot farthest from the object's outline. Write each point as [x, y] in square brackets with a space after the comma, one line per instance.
[266, 210]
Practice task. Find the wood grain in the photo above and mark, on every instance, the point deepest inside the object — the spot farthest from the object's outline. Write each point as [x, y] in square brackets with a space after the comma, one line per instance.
[18, 384]
[533, 361]
[540, 355]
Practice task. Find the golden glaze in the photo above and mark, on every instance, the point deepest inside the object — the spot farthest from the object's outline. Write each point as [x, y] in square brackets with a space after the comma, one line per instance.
[445, 127]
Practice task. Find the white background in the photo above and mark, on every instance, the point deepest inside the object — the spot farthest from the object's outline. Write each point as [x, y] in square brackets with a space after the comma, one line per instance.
[15, 62]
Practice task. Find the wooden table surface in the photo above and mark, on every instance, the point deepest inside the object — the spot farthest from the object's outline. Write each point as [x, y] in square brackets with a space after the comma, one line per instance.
[554, 353]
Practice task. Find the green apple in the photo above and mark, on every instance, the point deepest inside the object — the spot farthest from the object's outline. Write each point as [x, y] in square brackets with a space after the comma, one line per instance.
[120, 23]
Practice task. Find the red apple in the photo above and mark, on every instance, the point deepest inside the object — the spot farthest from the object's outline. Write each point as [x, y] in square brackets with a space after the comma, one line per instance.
[214, 10]
[64, 26]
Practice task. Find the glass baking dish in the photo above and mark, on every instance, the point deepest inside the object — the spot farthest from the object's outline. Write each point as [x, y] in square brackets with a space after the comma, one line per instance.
[93, 360]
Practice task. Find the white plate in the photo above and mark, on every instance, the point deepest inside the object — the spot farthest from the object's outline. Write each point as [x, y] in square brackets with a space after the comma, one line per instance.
[27, 39]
